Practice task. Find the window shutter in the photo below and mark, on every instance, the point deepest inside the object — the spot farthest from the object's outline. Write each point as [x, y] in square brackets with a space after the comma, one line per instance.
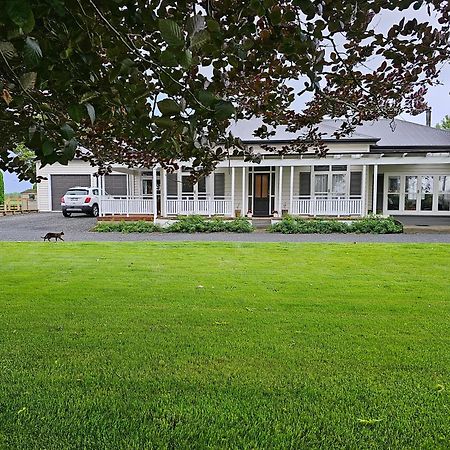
[305, 183]
[355, 183]
[380, 189]
[172, 184]
[116, 184]
[219, 184]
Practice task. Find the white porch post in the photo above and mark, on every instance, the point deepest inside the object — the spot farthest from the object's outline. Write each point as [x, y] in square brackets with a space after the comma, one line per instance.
[291, 191]
[232, 190]
[196, 209]
[129, 184]
[179, 183]
[133, 182]
[243, 208]
[164, 193]
[100, 184]
[211, 194]
[375, 188]
[363, 191]
[280, 188]
[154, 195]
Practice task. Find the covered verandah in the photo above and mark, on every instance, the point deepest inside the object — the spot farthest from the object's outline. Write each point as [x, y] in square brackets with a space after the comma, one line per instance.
[300, 186]
[338, 186]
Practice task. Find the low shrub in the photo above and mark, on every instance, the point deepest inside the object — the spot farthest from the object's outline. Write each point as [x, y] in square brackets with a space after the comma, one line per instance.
[141, 226]
[198, 224]
[291, 225]
[377, 225]
[371, 224]
[238, 225]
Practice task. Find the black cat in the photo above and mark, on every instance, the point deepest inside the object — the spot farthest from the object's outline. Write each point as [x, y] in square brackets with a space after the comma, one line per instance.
[57, 236]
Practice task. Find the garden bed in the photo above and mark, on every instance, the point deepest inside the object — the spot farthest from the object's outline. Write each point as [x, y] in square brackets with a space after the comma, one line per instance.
[371, 224]
[189, 224]
[287, 225]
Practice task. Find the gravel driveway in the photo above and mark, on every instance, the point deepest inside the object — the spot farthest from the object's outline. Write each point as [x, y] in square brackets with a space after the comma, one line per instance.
[30, 227]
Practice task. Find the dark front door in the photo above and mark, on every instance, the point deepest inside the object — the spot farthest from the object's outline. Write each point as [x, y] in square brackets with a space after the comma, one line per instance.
[261, 197]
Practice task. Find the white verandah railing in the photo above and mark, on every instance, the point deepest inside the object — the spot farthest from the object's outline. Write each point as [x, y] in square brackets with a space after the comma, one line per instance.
[207, 206]
[317, 206]
[133, 205]
[125, 206]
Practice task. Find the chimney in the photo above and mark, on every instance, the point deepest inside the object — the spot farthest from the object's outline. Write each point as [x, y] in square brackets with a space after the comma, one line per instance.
[428, 117]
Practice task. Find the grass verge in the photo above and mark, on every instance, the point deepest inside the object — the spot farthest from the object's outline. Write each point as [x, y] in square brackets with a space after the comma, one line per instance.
[158, 345]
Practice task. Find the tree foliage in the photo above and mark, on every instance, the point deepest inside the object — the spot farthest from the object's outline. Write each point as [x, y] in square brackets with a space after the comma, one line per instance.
[444, 124]
[26, 158]
[145, 81]
[2, 189]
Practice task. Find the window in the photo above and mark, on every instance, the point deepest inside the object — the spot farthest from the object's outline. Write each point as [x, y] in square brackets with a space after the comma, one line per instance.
[262, 186]
[263, 169]
[202, 185]
[147, 187]
[355, 184]
[187, 185]
[330, 184]
[411, 193]
[305, 184]
[219, 184]
[321, 184]
[172, 184]
[338, 185]
[444, 193]
[77, 192]
[393, 193]
[426, 193]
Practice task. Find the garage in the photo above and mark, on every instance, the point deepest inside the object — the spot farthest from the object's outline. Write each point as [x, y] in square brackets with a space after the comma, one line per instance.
[60, 184]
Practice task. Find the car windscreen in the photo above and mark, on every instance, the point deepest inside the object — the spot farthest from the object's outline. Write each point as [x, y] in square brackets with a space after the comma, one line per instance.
[77, 192]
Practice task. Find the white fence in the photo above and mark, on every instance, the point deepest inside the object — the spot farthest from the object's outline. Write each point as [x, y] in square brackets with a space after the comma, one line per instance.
[203, 207]
[126, 206]
[327, 207]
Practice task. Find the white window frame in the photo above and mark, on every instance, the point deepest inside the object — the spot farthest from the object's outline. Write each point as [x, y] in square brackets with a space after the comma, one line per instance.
[329, 194]
[416, 212]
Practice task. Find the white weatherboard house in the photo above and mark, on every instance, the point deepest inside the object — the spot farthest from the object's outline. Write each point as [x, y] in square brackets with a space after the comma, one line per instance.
[398, 168]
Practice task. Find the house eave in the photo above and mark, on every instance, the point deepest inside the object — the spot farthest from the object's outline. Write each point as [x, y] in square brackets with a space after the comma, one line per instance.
[290, 141]
[409, 148]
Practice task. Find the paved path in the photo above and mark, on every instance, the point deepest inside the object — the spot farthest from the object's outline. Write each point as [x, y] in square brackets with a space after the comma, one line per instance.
[30, 227]
[424, 221]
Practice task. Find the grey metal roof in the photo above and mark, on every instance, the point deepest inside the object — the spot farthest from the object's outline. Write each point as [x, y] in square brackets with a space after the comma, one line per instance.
[244, 129]
[400, 133]
[381, 133]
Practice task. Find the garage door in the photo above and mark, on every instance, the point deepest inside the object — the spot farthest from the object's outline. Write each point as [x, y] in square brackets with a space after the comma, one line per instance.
[116, 184]
[61, 183]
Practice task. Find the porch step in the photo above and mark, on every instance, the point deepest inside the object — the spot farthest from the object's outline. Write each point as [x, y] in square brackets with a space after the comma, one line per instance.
[261, 223]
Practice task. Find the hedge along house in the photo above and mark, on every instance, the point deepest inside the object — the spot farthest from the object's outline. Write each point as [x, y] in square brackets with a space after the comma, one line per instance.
[393, 168]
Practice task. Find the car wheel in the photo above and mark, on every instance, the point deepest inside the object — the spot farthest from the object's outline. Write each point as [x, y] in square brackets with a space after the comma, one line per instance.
[95, 210]
[66, 214]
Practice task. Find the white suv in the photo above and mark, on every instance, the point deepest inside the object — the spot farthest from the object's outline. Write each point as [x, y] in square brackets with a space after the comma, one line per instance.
[81, 199]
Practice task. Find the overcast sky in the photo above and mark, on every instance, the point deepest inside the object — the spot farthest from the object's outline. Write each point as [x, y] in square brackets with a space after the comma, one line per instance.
[438, 96]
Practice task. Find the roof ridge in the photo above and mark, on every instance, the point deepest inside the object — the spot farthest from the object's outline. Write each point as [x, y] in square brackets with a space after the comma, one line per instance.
[431, 128]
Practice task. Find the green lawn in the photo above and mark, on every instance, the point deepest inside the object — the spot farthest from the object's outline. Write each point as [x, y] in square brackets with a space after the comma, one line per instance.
[155, 345]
